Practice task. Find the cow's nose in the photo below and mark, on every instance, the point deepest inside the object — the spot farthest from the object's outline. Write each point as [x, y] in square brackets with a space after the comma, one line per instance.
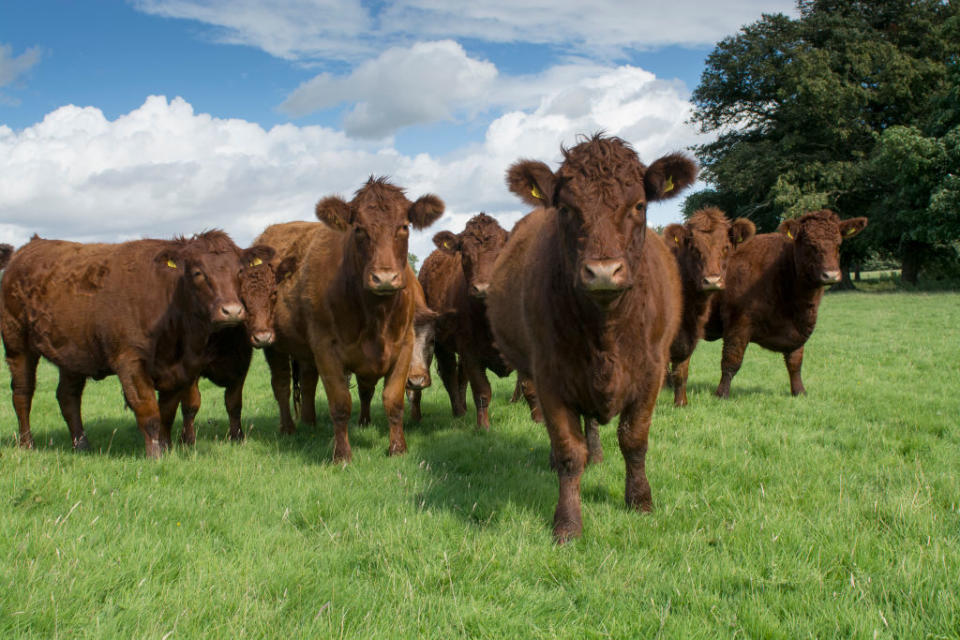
[604, 275]
[830, 277]
[711, 283]
[385, 281]
[418, 382]
[479, 289]
[262, 339]
[232, 313]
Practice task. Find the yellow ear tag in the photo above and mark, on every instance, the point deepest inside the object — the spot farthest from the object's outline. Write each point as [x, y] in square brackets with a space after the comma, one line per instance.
[446, 244]
[851, 231]
[667, 188]
[536, 193]
[171, 264]
[676, 239]
[256, 262]
[789, 235]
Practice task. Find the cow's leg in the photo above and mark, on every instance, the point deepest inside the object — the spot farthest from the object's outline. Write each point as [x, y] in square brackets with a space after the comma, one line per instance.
[233, 401]
[69, 393]
[365, 389]
[734, 346]
[594, 448]
[189, 408]
[462, 380]
[568, 450]
[279, 364]
[447, 366]
[530, 395]
[632, 433]
[308, 393]
[23, 382]
[139, 393]
[517, 391]
[337, 389]
[794, 361]
[678, 377]
[414, 396]
[393, 386]
[168, 402]
[477, 375]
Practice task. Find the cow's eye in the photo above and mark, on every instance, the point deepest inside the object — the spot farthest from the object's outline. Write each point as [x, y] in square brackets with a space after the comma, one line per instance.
[198, 274]
[641, 207]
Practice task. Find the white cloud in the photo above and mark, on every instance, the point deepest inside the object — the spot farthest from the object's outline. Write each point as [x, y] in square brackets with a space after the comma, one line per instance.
[350, 30]
[163, 169]
[427, 82]
[12, 67]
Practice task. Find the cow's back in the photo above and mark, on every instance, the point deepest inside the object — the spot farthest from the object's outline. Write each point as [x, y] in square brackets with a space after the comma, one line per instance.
[78, 303]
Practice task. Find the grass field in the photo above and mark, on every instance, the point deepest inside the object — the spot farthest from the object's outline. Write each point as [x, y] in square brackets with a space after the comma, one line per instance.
[832, 515]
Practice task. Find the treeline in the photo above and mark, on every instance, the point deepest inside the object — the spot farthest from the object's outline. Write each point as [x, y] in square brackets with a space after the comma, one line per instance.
[853, 106]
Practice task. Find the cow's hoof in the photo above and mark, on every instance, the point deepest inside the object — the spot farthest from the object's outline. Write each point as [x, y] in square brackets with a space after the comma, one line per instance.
[397, 448]
[26, 442]
[81, 443]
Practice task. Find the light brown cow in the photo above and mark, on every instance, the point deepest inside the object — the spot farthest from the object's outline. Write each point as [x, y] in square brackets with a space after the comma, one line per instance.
[347, 309]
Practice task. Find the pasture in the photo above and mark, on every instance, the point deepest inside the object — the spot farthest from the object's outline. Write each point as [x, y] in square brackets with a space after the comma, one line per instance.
[831, 515]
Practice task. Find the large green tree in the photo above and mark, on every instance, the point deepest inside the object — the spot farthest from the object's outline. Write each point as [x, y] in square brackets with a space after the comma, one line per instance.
[797, 107]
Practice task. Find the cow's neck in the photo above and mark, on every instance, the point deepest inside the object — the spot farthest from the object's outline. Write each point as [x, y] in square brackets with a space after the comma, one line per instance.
[800, 296]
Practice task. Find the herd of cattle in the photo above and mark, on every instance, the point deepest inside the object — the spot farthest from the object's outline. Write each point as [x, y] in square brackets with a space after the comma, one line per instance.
[593, 310]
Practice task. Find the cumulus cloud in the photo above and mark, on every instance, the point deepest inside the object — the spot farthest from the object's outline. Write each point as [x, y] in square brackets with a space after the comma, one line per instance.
[352, 30]
[163, 169]
[427, 82]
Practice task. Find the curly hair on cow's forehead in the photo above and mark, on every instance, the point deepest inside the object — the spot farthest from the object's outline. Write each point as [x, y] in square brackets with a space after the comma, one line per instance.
[708, 219]
[601, 166]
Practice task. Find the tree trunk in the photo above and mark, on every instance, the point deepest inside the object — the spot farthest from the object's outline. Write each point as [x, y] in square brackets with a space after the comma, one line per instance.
[910, 261]
[856, 272]
[845, 284]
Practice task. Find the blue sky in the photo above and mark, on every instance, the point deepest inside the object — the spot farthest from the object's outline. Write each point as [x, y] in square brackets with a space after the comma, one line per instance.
[155, 117]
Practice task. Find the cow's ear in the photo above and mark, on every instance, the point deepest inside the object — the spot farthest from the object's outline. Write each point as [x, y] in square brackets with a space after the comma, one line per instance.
[170, 258]
[851, 227]
[741, 230]
[447, 242]
[668, 176]
[335, 212]
[789, 228]
[286, 267]
[257, 255]
[533, 181]
[425, 211]
[675, 235]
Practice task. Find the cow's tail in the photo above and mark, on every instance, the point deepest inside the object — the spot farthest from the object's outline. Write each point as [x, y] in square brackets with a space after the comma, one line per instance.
[295, 375]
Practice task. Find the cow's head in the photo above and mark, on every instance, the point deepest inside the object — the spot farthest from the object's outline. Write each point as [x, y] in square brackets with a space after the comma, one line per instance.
[259, 279]
[208, 265]
[478, 246]
[601, 193]
[5, 252]
[816, 238]
[703, 245]
[424, 331]
[378, 220]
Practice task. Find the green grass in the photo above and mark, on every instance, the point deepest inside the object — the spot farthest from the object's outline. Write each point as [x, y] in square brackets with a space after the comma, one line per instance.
[832, 515]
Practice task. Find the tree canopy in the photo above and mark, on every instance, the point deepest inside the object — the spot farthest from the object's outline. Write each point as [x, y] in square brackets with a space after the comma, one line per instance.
[851, 106]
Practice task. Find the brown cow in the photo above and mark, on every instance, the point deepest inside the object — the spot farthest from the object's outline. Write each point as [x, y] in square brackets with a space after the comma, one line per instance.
[774, 285]
[228, 351]
[455, 279]
[585, 302]
[424, 332]
[347, 308]
[142, 310]
[702, 246]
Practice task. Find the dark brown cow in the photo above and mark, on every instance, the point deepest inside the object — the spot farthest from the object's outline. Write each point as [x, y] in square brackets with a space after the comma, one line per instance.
[774, 286]
[702, 246]
[585, 302]
[348, 307]
[6, 251]
[455, 279]
[142, 310]
[228, 351]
